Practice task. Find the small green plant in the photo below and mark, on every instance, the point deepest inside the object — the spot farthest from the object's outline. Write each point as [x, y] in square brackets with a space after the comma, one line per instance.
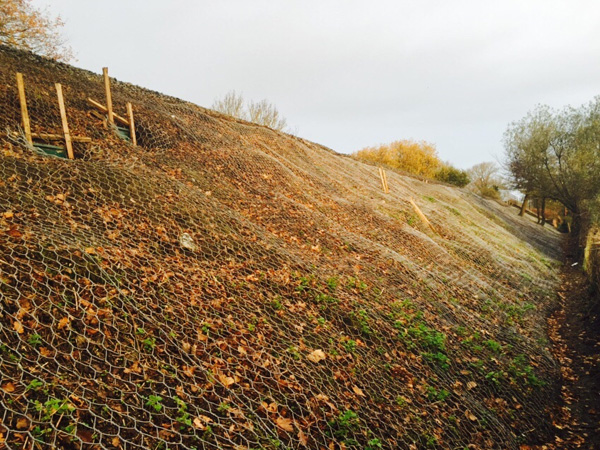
[276, 303]
[495, 377]
[208, 432]
[526, 277]
[275, 443]
[373, 444]
[355, 283]
[472, 342]
[305, 283]
[54, 406]
[422, 335]
[35, 339]
[293, 350]
[35, 385]
[454, 211]
[345, 423]
[39, 432]
[493, 345]
[326, 299]
[183, 417]
[521, 370]
[223, 407]
[417, 335]
[438, 358]
[435, 395]
[140, 332]
[362, 318]
[461, 331]
[332, 283]
[401, 401]
[350, 345]
[430, 441]
[149, 344]
[154, 401]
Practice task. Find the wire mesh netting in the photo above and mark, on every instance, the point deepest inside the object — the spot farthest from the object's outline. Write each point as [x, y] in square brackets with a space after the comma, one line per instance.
[222, 285]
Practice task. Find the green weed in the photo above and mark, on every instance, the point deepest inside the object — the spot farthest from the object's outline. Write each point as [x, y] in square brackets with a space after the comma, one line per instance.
[154, 401]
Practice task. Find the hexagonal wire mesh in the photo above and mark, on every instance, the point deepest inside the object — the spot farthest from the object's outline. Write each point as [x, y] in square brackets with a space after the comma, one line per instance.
[222, 285]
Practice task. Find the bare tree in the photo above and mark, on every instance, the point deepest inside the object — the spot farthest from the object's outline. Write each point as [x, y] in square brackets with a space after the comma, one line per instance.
[232, 104]
[266, 113]
[262, 112]
[24, 27]
[485, 179]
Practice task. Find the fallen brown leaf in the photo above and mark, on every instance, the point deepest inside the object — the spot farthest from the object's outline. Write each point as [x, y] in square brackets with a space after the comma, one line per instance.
[8, 387]
[317, 356]
[18, 327]
[22, 423]
[284, 423]
[358, 391]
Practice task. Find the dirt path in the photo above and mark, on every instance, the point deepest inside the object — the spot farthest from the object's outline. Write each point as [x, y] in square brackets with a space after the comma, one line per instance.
[575, 332]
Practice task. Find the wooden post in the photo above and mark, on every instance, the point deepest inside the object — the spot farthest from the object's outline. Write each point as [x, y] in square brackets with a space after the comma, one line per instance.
[24, 113]
[387, 188]
[131, 124]
[422, 216]
[109, 105]
[383, 183]
[65, 124]
[122, 120]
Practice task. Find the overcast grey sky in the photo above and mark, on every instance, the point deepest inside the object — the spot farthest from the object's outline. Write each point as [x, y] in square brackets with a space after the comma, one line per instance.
[353, 73]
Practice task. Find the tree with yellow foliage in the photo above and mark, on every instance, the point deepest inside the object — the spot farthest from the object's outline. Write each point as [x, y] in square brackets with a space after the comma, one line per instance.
[24, 27]
[419, 158]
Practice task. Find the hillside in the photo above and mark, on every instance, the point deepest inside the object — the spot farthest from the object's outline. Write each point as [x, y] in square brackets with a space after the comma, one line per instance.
[222, 285]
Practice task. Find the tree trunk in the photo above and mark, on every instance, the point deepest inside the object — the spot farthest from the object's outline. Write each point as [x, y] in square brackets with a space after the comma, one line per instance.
[524, 205]
[543, 222]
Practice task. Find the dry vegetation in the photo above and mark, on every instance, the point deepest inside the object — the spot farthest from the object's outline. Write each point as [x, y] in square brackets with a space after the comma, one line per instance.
[227, 286]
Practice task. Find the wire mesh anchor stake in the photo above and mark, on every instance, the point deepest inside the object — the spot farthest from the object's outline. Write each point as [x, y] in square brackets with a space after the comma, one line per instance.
[109, 105]
[65, 124]
[384, 183]
[422, 216]
[131, 124]
[24, 113]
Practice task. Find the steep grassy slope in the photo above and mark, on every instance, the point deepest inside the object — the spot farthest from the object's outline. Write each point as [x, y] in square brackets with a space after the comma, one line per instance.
[226, 286]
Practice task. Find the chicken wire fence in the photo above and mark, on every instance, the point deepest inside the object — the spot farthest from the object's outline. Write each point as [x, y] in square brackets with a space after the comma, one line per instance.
[225, 286]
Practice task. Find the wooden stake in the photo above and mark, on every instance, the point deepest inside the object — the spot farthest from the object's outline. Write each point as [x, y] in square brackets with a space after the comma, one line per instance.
[422, 216]
[24, 113]
[104, 109]
[383, 181]
[387, 188]
[131, 124]
[57, 137]
[65, 124]
[109, 105]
